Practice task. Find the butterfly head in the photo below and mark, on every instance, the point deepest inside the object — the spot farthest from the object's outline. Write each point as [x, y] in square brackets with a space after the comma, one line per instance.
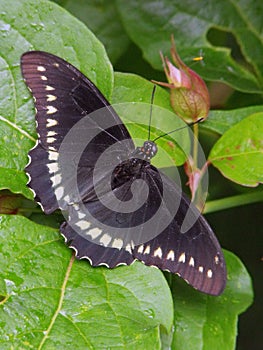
[147, 151]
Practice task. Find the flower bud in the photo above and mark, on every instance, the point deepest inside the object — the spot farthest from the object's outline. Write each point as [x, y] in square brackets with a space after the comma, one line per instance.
[194, 175]
[189, 94]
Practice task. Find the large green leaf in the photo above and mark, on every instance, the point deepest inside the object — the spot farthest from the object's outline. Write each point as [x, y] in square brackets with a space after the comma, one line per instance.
[48, 300]
[190, 22]
[43, 26]
[51, 301]
[103, 19]
[238, 154]
[221, 121]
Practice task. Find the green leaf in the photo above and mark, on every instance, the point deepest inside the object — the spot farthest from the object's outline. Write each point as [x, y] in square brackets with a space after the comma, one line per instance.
[206, 322]
[238, 154]
[221, 121]
[42, 26]
[130, 88]
[103, 19]
[190, 22]
[46, 299]
[54, 302]
[50, 300]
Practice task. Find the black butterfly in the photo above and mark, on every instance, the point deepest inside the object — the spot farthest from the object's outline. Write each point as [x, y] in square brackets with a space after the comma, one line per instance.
[64, 98]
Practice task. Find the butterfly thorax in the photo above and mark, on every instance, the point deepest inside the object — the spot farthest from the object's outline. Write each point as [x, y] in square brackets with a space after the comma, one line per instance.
[132, 168]
[129, 169]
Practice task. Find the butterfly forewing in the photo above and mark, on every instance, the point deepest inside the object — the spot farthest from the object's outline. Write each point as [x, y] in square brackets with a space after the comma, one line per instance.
[63, 96]
[106, 235]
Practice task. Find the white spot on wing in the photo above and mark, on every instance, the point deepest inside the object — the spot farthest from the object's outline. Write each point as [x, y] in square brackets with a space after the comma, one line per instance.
[56, 179]
[51, 139]
[49, 88]
[209, 273]
[41, 69]
[80, 214]
[94, 233]
[59, 192]
[170, 255]
[140, 249]
[67, 198]
[53, 167]
[117, 243]
[128, 248]
[43, 77]
[182, 258]
[51, 133]
[201, 269]
[158, 252]
[147, 250]
[216, 259]
[105, 239]
[51, 110]
[51, 122]
[83, 224]
[51, 98]
[191, 262]
[53, 156]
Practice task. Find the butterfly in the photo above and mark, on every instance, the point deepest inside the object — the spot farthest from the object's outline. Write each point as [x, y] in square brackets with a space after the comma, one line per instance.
[76, 127]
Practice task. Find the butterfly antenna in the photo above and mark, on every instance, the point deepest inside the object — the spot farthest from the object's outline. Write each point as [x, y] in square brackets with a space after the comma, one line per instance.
[151, 112]
[183, 127]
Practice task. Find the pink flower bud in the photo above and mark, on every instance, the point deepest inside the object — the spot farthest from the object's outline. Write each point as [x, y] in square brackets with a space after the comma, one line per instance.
[194, 175]
[189, 94]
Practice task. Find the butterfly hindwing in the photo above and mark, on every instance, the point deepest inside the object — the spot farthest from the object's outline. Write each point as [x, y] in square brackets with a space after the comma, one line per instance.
[104, 222]
[96, 254]
[195, 255]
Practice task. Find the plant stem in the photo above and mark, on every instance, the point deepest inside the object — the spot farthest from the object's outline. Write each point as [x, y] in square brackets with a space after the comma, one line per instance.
[195, 145]
[234, 201]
